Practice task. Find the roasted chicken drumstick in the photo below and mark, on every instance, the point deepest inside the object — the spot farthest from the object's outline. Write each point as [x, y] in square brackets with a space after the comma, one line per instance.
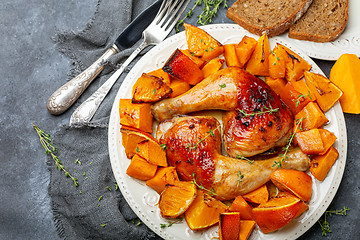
[256, 119]
[193, 146]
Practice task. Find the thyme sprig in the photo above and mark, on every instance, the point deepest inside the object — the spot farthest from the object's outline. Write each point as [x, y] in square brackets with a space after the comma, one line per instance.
[240, 176]
[211, 192]
[244, 158]
[194, 146]
[263, 110]
[209, 11]
[324, 224]
[169, 224]
[297, 101]
[288, 144]
[47, 143]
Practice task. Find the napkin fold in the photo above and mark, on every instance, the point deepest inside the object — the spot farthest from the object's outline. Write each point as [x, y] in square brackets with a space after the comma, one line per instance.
[95, 209]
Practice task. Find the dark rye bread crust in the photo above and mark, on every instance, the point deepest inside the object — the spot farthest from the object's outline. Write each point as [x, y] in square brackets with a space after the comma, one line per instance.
[272, 17]
[324, 21]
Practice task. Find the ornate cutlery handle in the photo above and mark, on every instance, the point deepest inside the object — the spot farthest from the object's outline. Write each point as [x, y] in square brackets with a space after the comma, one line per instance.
[87, 109]
[66, 95]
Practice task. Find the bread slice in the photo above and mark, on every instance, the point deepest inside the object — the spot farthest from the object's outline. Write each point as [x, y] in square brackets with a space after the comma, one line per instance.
[324, 21]
[267, 16]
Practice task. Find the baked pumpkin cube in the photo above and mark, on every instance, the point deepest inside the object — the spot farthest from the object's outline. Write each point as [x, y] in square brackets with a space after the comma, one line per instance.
[229, 226]
[321, 164]
[212, 66]
[201, 43]
[178, 87]
[277, 67]
[328, 139]
[327, 93]
[258, 196]
[241, 206]
[140, 168]
[303, 88]
[311, 117]
[137, 115]
[182, 67]
[130, 139]
[276, 84]
[163, 176]
[230, 56]
[295, 65]
[258, 63]
[198, 61]
[152, 152]
[150, 89]
[310, 142]
[293, 99]
[162, 75]
[245, 49]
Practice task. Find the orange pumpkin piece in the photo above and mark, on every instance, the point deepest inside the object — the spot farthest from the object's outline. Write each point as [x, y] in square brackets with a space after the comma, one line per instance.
[152, 152]
[328, 139]
[276, 84]
[182, 67]
[258, 63]
[321, 164]
[135, 115]
[176, 198]
[150, 89]
[198, 61]
[163, 176]
[201, 43]
[212, 66]
[162, 75]
[241, 206]
[140, 168]
[130, 139]
[311, 116]
[345, 74]
[204, 211]
[230, 56]
[178, 87]
[304, 207]
[245, 49]
[276, 64]
[296, 182]
[327, 93]
[295, 65]
[258, 196]
[293, 99]
[276, 213]
[229, 226]
[310, 142]
[303, 88]
[246, 228]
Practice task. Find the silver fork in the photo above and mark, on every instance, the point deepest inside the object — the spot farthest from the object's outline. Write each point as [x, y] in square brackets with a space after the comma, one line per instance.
[165, 20]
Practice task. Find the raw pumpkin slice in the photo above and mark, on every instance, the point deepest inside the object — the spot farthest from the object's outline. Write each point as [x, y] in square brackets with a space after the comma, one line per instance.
[229, 226]
[201, 43]
[276, 213]
[204, 211]
[327, 93]
[176, 199]
[258, 63]
[345, 74]
[296, 182]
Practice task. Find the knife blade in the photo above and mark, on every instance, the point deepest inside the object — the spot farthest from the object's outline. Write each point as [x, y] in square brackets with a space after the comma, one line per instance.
[64, 97]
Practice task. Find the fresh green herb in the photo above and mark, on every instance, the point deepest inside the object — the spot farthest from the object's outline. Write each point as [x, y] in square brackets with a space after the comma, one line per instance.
[78, 162]
[298, 101]
[163, 146]
[285, 149]
[108, 188]
[46, 142]
[116, 186]
[103, 225]
[211, 192]
[100, 198]
[153, 92]
[222, 85]
[169, 224]
[211, 133]
[84, 173]
[209, 11]
[80, 192]
[137, 149]
[136, 221]
[240, 176]
[91, 163]
[324, 224]
[261, 112]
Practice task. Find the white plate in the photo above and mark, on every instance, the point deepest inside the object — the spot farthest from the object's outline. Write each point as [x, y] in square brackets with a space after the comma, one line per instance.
[143, 200]
[348, 42]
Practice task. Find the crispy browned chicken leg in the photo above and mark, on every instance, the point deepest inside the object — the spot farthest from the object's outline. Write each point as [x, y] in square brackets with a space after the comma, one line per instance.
[256, 119]
[194, 148]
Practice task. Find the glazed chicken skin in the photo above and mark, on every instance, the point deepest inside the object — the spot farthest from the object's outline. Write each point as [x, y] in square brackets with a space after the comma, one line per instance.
[255, 120]
[194, 148]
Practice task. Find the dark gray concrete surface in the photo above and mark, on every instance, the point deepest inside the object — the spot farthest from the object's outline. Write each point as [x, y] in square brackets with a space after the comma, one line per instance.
[31, 69]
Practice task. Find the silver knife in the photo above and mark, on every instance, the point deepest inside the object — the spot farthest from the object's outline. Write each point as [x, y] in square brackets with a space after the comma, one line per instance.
[67, 94]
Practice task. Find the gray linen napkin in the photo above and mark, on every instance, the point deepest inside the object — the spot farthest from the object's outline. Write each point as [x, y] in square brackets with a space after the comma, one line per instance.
[92, 211]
